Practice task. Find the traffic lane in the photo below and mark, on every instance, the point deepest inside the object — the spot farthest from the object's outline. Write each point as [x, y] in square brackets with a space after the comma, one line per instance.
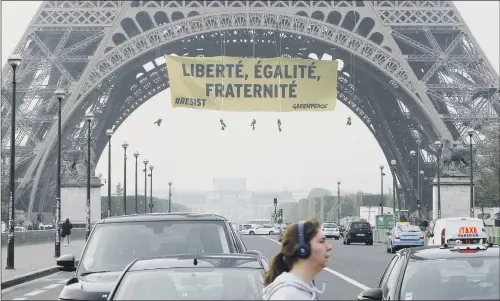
[45, 288]
[364, 263]
[337, 286]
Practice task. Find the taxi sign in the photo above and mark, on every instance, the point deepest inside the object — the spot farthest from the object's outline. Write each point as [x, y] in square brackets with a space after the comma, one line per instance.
[468, 232]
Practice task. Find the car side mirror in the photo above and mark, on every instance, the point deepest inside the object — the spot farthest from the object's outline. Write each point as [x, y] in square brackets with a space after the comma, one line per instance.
[388, 232]
[371, 294]
[66, 263]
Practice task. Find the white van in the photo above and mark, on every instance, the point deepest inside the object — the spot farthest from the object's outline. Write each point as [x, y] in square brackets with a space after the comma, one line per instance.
[467, 230]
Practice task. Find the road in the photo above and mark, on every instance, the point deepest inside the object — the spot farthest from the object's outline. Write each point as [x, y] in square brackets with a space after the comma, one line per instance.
[350, 270]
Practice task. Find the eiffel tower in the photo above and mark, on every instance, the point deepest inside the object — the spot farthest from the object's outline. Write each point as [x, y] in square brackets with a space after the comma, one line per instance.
[412, 70]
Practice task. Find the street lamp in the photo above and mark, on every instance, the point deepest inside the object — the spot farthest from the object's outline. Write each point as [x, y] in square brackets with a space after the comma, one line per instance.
[439, 147]
[413, 176]
[470, 132]
[109, 133]
[125, 145]
[151, 167]
[89, 117]
[14, 61]
[420, 191]
[145, 185]
[136, 155]
[393, 164]
[338, 199]
[169, 196]
[60, 95]
[382, 174]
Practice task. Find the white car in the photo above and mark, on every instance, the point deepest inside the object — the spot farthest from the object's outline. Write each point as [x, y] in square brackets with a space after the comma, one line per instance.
[260, 230]
[331, 230]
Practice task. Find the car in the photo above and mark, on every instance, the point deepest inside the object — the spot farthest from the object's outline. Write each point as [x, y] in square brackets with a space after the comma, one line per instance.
[192, 277]
[116, 241]
[331, 230]
[404, 236]
[455, 272]
[261, 230]
[358, 231]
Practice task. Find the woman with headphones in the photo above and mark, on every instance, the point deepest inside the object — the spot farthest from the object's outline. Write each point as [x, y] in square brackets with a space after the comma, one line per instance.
[304, 253]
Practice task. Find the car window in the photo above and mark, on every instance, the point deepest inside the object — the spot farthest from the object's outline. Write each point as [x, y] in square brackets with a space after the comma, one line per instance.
[112, 246]
[392, 279]
[192, 284]
[361, 225]
[407, 228]
[388, 270]
[329, 226]
[464, 278]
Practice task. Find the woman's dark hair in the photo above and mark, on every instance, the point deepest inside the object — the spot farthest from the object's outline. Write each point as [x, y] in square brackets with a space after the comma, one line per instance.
[67, 221]
[284, 260]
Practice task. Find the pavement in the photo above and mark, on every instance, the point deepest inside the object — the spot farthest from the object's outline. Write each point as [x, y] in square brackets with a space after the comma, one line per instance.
[30, 258]
[351, 269]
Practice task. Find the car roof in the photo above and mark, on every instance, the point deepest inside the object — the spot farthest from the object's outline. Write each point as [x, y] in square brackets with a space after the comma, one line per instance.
[441, 252]
[173, 216]
[243, 261]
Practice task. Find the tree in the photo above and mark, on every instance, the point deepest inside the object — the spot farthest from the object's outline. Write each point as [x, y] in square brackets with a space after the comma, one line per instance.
[487, 168]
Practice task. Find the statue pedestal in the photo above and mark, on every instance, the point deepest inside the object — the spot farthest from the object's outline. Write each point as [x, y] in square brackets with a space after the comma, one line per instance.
[74, 198]
[455, 196]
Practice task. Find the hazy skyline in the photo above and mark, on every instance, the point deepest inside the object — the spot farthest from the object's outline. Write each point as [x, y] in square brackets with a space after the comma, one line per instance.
[313, 150]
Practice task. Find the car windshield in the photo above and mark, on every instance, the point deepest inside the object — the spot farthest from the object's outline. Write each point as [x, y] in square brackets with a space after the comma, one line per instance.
[192, 284]
[471, 278]
[408, 228]
[329, 226]
[360, 225]
[112, 246]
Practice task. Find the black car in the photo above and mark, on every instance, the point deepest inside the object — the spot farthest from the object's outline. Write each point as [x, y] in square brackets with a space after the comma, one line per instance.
[358, 231]
[463, 272]
[116, 241]
[192, 277]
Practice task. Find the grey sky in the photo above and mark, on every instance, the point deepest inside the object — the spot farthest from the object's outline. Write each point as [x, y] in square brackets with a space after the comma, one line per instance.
[314, 149]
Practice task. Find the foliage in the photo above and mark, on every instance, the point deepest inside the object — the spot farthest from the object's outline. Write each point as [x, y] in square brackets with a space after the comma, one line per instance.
[487, 168]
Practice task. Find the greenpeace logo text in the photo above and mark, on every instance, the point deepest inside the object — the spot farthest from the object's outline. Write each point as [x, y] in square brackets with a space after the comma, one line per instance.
[308, 106]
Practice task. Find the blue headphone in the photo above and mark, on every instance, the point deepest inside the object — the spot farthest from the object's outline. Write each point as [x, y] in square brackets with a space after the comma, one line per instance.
[304, 250]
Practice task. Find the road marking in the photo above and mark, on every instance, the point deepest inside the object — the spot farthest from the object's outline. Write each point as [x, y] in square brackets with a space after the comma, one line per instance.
[63, 281]
[19, 299]
[51, 286]
[341, 276]
[33, 293]
[30, 282]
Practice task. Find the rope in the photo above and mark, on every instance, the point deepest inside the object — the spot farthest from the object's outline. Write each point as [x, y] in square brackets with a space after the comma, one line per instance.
[278, 52]
[223, 52]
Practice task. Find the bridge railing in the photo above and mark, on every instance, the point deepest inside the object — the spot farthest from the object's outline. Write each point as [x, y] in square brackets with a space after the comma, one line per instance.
[39, 236]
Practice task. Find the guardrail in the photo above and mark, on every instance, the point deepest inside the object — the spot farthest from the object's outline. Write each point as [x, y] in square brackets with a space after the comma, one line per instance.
[39, 236]
[492, 232]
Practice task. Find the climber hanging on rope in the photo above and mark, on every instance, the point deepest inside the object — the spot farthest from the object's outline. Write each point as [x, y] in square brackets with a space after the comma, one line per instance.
[348, 121]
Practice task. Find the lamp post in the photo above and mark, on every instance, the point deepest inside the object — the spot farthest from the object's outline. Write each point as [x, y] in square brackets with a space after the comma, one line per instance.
[169, 196]
[60, 95]
[136, 155]
[14, 61]
[382, 174]
[470, 132]
[439, 147]
[125, 145]
[420, 190]
[338, 199]
[413, 175]
[393, 164]
[145, 185]
[419, 197]
[109, 133]
[89, 117]
[151, 167]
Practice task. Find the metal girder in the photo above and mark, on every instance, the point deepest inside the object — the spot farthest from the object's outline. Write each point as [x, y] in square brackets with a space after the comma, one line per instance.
[99, 56]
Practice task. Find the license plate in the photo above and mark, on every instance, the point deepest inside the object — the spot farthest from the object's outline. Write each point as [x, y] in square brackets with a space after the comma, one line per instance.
[361, 235]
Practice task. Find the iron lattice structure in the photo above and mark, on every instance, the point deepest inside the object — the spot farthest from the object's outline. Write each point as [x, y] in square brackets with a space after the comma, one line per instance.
[412, 69]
